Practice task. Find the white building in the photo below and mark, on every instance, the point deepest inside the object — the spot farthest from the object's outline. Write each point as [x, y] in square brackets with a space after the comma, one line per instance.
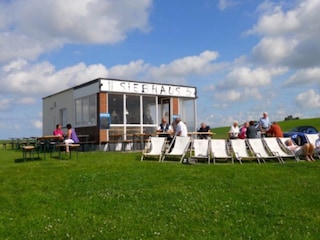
[104, 107]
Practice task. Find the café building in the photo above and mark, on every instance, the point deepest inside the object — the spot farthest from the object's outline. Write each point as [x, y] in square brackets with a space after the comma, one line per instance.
[106, 107]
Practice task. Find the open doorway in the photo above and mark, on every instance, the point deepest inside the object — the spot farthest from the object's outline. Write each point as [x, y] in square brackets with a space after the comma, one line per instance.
[164, 109]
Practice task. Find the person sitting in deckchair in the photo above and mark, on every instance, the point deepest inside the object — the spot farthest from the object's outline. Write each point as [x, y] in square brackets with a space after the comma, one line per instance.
[305, 150]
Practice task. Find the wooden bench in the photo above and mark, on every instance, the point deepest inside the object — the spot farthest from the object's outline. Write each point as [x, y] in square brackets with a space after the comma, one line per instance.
[87, 145]
[28, 149]
[72, 147]
[106, 145]
[127, 145]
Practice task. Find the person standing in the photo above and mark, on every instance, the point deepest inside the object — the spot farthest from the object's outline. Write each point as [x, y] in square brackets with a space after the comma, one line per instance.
[71, 137]
[264, 124]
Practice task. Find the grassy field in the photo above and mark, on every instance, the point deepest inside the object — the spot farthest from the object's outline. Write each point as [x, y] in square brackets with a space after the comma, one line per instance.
[107, 195]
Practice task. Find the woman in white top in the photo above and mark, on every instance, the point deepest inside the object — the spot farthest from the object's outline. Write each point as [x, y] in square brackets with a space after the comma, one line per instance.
[234, 130]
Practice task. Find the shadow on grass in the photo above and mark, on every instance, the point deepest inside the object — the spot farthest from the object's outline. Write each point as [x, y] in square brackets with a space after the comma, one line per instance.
[302, 164]
[21, 160]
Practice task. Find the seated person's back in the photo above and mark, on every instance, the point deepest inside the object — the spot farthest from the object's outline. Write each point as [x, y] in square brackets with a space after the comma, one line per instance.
[251, 130]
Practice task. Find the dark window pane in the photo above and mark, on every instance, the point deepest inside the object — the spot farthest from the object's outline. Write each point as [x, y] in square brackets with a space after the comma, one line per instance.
[115, 106]
[133, 109]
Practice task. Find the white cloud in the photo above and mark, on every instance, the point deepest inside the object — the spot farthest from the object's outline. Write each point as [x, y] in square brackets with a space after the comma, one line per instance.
[41, 79]
[26, 101]
[273, 50]
[237, 96]
[224, 4]
[191, 65]
[254, 78]
[76, 74]
[228, 96]
[303, 77]
[289, 37]
[36, 124]
[309, 99]
[276, 22]
[32, 27]
[128, 71]
[21, 77]
[300, 21]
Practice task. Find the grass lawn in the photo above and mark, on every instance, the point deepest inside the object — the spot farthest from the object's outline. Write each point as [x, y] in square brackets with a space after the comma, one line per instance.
[106, 195]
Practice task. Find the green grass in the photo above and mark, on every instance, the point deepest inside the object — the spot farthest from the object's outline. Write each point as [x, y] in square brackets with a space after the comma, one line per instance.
[105, 195]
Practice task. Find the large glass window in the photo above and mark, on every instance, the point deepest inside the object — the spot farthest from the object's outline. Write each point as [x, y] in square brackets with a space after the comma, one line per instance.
[63, 117]
[164, 109]
[115, 108]
[133, 109]
[187, 109]
[86, 111]
[78, 111]
[92, 108]
[149, 110]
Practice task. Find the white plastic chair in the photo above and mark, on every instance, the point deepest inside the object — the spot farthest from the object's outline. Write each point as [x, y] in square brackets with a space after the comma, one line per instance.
[275, 148]
[179, 148]
[201, 149]
[157, 145]
[220, 150]
[240, 150]
[259, 150]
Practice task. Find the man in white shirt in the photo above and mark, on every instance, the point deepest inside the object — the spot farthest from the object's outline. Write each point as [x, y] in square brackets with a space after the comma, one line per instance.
[181, 128]
[264, 124]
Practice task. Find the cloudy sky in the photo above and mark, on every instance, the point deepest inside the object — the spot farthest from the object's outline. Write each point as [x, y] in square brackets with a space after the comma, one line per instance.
[244, 56]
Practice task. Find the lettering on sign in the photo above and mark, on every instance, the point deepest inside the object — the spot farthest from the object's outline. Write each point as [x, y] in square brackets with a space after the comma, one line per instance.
[147, 88]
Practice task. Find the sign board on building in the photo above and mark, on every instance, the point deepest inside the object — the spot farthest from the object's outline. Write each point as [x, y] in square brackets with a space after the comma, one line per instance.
[147, 88]
[105, 120]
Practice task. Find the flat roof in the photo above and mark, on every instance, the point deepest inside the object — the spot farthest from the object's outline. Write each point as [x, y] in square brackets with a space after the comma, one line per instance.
[138, 87]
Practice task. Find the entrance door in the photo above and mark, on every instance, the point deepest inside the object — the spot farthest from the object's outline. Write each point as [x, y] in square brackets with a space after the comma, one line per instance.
[164, 109]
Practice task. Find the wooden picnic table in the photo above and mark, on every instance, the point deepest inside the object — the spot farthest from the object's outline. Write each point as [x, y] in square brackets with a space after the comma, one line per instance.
[47, 143]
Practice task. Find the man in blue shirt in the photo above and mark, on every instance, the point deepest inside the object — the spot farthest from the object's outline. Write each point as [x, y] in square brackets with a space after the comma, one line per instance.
[264, 124]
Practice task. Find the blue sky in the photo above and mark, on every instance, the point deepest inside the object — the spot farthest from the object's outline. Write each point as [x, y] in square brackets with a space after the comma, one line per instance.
[245, 57]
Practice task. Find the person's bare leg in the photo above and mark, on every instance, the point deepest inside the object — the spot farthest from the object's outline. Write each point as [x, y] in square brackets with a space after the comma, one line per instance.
[311, 151]
[67, 147]
[305, 149]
